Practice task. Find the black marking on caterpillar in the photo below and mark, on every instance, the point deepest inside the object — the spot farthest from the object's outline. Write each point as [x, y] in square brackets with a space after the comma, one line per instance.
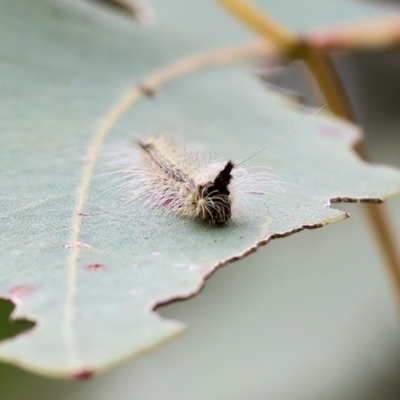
[193, 194]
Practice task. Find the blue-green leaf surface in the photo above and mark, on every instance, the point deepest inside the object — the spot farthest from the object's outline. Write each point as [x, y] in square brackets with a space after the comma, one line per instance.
[63, 68]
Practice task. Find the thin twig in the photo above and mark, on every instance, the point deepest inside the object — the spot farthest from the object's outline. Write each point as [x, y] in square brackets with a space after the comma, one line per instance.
[283, 39]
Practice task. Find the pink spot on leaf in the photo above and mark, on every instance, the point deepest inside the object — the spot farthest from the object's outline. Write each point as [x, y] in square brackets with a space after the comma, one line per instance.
[95, 266]
[83, 374]
[21, 290]
[77, 245]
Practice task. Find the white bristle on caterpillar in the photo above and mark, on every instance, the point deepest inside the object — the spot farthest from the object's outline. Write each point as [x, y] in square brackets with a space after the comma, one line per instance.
[157, 173]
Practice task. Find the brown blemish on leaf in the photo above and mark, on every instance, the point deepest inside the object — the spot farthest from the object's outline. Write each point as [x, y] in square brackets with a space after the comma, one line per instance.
[95, 266]
[146, 89]
[83, 374]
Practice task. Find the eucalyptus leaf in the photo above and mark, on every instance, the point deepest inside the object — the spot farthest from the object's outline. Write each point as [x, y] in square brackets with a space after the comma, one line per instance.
[62, 71]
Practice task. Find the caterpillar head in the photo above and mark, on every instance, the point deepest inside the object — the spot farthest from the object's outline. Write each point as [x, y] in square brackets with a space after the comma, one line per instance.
[214, 198]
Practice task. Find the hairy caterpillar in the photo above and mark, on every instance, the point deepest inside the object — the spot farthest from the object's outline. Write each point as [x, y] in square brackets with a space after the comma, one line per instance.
[190, 185]
[156, 172]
